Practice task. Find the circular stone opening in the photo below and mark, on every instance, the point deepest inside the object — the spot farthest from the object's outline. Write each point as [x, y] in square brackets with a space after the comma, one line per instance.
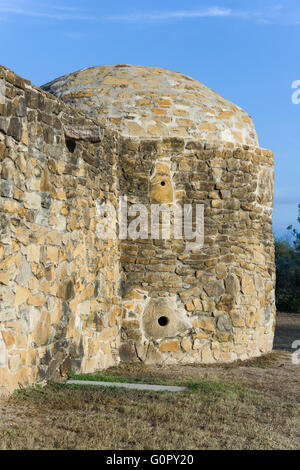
[163, 183]
[163, 321]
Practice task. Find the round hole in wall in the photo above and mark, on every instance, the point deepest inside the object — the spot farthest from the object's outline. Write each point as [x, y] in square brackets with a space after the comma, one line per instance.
[163, 321]
[163, 183]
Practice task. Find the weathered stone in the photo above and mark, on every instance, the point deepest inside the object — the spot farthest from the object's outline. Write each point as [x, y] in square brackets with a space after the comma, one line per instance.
[224, 323]
[21, 296]
[68, 292]
[15, 128]
[214, 288]
[169, 346]
[127, 352]
[247, 285]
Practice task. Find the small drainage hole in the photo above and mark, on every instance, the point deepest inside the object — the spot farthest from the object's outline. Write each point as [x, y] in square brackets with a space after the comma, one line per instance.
[163, 321]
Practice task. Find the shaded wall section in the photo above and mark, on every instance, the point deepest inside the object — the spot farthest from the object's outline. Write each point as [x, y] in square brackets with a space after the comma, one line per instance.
[59, 304]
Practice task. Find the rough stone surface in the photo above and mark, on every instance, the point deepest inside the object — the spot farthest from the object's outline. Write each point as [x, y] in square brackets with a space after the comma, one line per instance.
[73, 298]
[150, 102]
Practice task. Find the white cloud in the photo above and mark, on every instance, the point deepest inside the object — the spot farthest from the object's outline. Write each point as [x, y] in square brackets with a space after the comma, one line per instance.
[31, 9]
[170, 15]
[275, 13]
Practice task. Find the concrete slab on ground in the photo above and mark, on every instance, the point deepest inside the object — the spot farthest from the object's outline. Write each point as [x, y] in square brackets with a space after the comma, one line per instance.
[155, 388]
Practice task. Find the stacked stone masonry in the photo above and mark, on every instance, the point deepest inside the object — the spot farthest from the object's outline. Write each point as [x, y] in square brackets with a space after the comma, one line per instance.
[69, 298]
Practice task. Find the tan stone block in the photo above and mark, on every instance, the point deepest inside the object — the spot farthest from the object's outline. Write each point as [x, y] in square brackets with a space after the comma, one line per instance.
[79, 250]
[52, 254]
[170, 346]
[45, 184]
[135, 129]
[31, 357]
[11, 207]
[199, 344]
[22, 235]
[87, 293]
[250, 319]
[239, 337]
[115, 120]
[109, 333]
[206, 324]
[7, 262]
[61, 195]
[4, 377]
[157, 130]
[207, 126]
[200, 335]
[190, 307]
[49, 273]
[197, 303]
[32, 200]
[4, 278]
[41, 332]
[236, 318]
[8, 338]
[128, 305]
[56, 311]
[186, 344]
[21, 377]
[130, 324]
[207, 356]
[247, 285]
[21, 296]
[180, 112]
[208, 305]
[225, 303]
[133, 295]
[53, 238]
[185, 122]
[222, 337]
[37, 300]
[163, 102]
[33, 284]
[33, 253]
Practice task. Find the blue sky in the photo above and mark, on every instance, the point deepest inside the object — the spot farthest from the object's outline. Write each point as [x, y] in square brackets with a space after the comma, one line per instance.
[246, 51]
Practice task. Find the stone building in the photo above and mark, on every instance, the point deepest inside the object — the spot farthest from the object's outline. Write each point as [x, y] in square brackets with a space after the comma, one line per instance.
[70, 154]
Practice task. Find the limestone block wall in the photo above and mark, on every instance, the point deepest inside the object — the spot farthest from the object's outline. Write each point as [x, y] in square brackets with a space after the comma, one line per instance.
[73, 298]
[215, 303]
[59, 300]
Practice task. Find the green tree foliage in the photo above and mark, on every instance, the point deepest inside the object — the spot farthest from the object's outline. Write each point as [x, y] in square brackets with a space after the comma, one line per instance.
[287, 256]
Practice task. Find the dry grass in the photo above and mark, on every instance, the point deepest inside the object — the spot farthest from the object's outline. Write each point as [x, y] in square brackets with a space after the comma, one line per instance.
[226, 407]
[245, 405]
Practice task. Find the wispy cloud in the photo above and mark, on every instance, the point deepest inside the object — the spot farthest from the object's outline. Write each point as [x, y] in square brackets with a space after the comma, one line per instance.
[173, 15]
[274, 13]
[52, 12]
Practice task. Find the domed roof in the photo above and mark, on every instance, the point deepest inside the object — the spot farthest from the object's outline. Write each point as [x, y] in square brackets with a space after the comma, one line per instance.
[150, 102]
